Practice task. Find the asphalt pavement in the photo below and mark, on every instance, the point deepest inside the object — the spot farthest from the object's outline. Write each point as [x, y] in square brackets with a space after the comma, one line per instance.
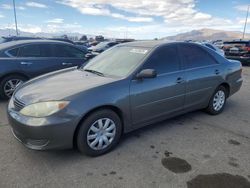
[195, 150]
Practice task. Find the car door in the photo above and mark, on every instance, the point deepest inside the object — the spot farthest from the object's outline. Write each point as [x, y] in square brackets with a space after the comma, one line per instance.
[161, 96]
[68, 56]
[36, 59]
[203, 75]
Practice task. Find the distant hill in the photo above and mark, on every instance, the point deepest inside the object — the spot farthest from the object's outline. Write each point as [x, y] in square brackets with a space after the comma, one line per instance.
[12, 32]
[208, 34]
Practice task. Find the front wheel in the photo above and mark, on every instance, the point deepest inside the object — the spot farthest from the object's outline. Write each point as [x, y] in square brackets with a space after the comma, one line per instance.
[9, 84]
[99, 133]
[217, 101]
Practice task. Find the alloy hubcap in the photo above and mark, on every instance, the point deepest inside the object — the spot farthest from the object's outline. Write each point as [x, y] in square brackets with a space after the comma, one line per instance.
[101, 133]
[219, 100]
[10, 86]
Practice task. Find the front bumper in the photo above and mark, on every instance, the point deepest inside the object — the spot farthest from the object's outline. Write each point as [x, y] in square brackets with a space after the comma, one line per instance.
[42, 133]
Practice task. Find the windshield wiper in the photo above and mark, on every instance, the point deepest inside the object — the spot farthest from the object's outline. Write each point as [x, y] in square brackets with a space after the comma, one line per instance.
[94, 72]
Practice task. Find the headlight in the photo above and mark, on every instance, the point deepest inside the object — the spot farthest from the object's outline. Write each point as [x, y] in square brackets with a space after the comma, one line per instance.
[43, 109]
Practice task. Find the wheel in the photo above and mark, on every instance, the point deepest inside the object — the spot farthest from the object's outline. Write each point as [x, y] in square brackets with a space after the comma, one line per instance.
[99, 133]
[9, 84]
[217, 101]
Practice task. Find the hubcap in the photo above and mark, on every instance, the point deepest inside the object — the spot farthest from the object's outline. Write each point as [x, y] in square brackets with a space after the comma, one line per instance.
[101, 133]
[219, 100]
[10, 86]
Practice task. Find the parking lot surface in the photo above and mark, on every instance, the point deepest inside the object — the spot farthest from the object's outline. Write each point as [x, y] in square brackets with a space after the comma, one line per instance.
[192, 150]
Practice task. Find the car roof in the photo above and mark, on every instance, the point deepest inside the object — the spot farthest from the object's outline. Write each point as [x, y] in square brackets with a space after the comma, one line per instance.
[148, 44]
[20, 42]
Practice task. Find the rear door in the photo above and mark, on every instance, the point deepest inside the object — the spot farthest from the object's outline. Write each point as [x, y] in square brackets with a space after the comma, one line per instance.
[202, 72]
[161, 96]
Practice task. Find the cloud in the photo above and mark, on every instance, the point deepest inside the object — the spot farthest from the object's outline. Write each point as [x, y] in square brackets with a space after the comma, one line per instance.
[241, 8]
[10, 7]
[6, 6]
[172, 12]
[56, 21]
[101, 9]
[36, 5]
[2, 16]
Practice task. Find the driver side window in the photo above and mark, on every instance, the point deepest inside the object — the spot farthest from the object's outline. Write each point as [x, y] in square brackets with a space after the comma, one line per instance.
[163, 60]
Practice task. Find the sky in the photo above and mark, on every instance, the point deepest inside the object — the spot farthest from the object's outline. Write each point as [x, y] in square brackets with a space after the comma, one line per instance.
[140, 19]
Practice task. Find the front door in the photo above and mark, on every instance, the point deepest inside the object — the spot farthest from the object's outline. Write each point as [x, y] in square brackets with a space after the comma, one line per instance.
[161, 96]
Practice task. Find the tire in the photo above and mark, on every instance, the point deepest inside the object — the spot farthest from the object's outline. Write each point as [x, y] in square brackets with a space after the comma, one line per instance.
[212, 108]
[85, 130]
[4, 82]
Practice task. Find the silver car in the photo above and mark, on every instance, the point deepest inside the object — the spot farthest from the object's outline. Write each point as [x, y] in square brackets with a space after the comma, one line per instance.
[122, 89]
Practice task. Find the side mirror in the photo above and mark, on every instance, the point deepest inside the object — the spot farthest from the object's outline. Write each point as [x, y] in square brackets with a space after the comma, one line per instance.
[146, 73]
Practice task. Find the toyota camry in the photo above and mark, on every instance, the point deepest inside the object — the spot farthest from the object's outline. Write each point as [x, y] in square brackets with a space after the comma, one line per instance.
[126, 87]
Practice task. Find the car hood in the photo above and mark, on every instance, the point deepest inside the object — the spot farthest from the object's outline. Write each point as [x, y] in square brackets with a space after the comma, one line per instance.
[59, 85]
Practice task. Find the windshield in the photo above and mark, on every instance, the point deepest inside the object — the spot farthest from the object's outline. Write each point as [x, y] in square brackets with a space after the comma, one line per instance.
[118, 61]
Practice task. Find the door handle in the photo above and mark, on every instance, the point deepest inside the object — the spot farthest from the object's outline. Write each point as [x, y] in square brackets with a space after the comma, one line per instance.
[180, 80]
[64, 64]
[217, 72]
[26, 63]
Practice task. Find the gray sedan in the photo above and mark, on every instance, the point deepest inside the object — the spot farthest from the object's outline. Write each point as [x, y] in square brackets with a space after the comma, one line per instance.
[122, 89]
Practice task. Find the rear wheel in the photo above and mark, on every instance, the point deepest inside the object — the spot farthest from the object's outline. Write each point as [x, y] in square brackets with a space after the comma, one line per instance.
[99, 133]
[9, 84]
[217, 101]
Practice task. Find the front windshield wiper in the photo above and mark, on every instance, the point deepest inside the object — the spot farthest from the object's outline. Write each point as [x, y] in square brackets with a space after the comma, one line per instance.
[94, 72]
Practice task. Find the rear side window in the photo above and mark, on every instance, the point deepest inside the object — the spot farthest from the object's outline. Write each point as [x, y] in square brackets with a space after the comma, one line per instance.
[164, 60]
[67, 51]
[12, 52]
[36, 50]
[29, 51]
[194, 56]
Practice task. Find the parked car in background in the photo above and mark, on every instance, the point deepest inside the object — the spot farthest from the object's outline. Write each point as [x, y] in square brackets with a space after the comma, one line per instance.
[82, 46]
[83, 43]
[15, 38]
[25, 59]
[219, 44]
[99, 48]
[213, 47]
[102, 46]
[124, 88]
[238, 50]
[96, 50]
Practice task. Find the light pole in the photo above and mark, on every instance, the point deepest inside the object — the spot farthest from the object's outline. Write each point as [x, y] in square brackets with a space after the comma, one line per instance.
[14, 6]
[245, 22]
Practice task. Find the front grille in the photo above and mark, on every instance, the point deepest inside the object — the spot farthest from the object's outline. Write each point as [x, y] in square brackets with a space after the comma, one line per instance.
[18, 105]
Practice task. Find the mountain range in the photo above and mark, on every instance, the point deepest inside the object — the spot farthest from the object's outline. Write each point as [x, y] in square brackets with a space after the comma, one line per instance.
[208, 34]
